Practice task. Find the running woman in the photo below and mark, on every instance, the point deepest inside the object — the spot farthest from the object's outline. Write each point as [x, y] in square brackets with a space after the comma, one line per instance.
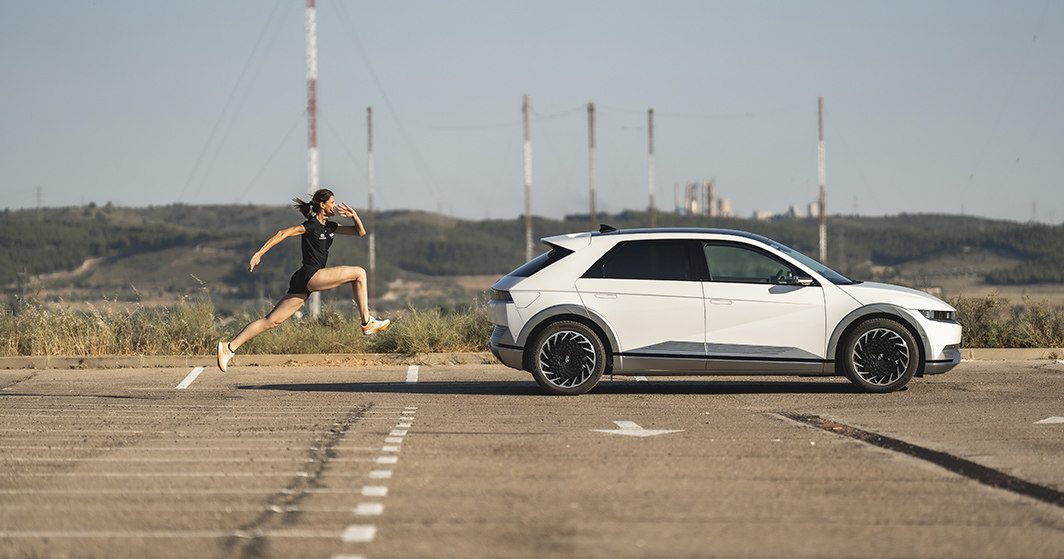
[316, 235]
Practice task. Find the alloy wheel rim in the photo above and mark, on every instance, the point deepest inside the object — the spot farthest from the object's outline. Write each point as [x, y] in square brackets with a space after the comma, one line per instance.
[881, 356]
[567, 359]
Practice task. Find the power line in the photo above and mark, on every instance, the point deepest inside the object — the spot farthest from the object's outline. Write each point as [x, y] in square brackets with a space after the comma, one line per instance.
[418, 159]
[228, 103]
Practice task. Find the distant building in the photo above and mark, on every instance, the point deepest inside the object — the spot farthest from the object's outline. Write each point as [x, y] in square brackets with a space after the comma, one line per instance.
[761, 215]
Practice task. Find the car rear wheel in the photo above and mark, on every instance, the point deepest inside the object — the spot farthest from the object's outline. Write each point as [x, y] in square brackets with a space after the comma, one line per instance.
[880, 355]
[567, 358]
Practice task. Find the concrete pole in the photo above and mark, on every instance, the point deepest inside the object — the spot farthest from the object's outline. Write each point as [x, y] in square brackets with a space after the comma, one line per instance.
[314, 301]
[528, 187]
[821, 172]
[650, 164]
[371, 180]
[592, 168]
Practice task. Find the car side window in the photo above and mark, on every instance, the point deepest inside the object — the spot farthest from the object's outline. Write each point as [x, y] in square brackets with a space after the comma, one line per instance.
[649, 260]
[731, 263]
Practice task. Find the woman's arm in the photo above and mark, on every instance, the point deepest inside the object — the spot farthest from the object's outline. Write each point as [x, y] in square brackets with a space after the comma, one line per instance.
[357, 229]
[278, 237]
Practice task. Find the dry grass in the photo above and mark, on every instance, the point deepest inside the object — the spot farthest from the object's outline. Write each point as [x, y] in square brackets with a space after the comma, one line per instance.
[191, 327]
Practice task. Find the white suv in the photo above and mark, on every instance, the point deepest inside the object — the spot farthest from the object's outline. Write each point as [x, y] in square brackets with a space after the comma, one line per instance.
[709, 302]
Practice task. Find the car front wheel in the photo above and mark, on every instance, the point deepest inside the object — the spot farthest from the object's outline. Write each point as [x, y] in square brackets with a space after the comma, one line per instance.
[567, 358]
[880, 355]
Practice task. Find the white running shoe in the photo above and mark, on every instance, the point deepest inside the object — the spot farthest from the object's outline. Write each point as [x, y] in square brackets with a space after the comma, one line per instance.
[224, 355]
[374, 325]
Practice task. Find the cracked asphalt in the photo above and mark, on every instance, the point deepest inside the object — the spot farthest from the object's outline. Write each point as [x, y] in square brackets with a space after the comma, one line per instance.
[475, 461]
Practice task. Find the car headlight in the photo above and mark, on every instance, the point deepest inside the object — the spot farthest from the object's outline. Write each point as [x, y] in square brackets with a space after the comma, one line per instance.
[941, 316]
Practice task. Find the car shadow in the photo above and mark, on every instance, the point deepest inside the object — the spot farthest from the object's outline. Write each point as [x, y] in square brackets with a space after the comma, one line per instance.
[529, 388]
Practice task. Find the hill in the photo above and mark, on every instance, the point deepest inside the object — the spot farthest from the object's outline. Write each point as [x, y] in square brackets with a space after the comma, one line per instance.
[158, 254]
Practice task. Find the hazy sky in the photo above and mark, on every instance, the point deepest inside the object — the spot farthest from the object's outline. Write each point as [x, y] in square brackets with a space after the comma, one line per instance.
[929, 106]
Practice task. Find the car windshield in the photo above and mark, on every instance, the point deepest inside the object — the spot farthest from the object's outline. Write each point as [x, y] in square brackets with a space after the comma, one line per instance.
[831, 275]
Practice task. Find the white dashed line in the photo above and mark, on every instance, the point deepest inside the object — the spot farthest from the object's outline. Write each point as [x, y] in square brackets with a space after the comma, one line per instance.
[380, 474]
[374, 491]
[369, 509]
[359, 534]
[1049, 420]
[388, 460]
[411, 374]
[191, 377]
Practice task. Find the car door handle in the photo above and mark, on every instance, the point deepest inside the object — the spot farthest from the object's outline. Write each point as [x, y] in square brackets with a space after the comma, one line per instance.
[605, 295]
[720, 301]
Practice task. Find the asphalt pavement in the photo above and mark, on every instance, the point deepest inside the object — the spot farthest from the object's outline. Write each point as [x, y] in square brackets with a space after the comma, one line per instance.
[474, 460]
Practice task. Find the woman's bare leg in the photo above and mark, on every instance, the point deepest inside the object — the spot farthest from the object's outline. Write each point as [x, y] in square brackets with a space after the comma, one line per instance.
[284, 309]
[328, 278]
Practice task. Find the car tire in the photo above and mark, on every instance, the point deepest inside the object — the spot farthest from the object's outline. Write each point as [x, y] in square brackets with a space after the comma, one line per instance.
[567, 358]
[880, 355]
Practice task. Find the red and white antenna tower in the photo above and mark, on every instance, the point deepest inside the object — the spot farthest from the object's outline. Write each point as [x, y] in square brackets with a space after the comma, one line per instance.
[312, 121]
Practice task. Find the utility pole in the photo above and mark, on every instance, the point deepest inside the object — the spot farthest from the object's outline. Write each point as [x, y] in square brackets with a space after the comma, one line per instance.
[372, 279]
[312, 122]
[528, 187]
[591, 158]
[650, 163]
[821, 172]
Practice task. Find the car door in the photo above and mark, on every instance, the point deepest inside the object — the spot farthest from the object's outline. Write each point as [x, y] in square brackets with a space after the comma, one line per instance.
[759, 315]
[650, 293]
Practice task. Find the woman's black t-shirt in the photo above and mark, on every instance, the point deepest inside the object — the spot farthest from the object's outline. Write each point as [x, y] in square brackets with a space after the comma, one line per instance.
[315, 242]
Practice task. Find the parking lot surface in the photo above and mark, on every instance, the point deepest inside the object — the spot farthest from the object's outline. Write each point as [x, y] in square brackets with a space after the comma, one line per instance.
[475, 461]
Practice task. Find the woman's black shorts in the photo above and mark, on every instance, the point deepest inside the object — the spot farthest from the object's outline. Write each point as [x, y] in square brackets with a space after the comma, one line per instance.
[300, 279]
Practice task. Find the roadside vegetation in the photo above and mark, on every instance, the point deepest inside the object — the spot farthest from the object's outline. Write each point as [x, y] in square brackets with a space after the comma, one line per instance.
[194, 327]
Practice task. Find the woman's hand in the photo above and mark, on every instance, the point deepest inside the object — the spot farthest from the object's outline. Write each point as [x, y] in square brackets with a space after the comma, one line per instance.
[346, 211]
[254, 262]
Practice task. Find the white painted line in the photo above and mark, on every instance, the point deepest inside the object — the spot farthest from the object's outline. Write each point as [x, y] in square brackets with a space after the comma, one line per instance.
[369, 509]
[398, 433]
[388, 449]
[1049, 420]
[407, 419]
[406, 425]
[1061, 361]
[411, 407]
[359, 534]
[641, 379]
[379, 474]
[374, 491]
[632, 429]
[188, 380]
[388, 460]
[390, 440]
[191, 377]
[411, 374]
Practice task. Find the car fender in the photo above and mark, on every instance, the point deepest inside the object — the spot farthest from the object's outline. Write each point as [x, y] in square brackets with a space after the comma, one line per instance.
[550, 313]
[878, 309]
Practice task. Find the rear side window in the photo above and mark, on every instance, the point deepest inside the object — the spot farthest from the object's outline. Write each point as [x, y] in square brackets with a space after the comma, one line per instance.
[529, 268]
[650, 260]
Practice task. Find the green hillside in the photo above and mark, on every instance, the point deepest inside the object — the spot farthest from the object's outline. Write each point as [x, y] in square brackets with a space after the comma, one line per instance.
[160, 252]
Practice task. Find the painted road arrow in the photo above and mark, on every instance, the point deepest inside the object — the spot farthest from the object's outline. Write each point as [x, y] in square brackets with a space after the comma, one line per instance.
[631, 429]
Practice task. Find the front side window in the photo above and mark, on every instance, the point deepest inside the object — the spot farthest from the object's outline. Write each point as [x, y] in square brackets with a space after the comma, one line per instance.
[732, 263]
[649, 260]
